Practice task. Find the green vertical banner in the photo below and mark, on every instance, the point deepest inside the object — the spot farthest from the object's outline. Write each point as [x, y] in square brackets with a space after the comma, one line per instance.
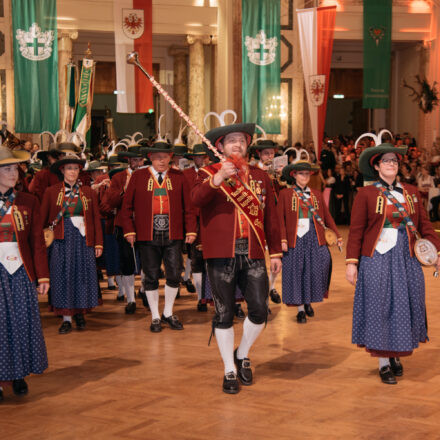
[377, 53]
[261, 54]
[35, 51]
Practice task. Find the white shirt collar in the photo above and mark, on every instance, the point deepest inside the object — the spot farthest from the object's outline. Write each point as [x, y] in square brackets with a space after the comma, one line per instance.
[156, 173]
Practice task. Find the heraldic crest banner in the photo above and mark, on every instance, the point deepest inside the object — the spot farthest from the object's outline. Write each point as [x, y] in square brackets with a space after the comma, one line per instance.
[35, 65]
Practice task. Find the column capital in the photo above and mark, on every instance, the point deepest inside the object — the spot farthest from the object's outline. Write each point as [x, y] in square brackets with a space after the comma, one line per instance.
[204, 39]
[177, 51]
[73, 35]
[214, 40]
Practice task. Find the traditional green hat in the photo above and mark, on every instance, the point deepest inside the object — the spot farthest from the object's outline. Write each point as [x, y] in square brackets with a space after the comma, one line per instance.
[197, 150]
[179, 150]
[263, 144]
[68, 147]
[114, 160]
[114, 171]
[9, 157]
[96, 165]
[68, 158]
[300, 165]
[135, 150]
[159, 146]
[369, 155]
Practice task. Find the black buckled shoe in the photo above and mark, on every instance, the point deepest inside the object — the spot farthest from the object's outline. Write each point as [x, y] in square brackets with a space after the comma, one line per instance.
[190, 288]
[80, 321]
[275, 296]
[309, 310]
[156, 326]
[396, 367]
[120, 298]
[66, 327]
[202, 307]
[244, 371]
[301, 318]
[239, 311]
[111, 287]
[130, 308]
[387, 375]
[230, 383]
[144, 298]
[20, 388]
[173, 322]
[1, 395]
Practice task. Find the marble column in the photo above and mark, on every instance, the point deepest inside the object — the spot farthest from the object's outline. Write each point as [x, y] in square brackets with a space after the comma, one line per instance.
[214, 88]
[65, 46]
[180, 82]
[196, 95]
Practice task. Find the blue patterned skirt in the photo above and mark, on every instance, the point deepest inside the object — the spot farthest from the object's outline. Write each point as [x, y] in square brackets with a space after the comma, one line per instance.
[22, 346]
[389, 303]
[73, 278]
[306, 271]
[111, 254]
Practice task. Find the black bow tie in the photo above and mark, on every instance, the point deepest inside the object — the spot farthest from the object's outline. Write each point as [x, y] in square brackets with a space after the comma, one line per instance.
[5, 196]
[392, 187]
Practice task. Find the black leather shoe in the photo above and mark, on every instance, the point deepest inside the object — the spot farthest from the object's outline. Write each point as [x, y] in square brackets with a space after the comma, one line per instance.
[189, 286]
[178, 293]
[239, 311]
[244, 371]
[173, 322]
[120, 298]
[387, 375]
[19, 386]
[202, 307]
[309, 311]
[144, 299]
[111, 287]
[301, 318]
[130, 308]
[80, 321]
[1, 395]
[66, 327]
[230, 383]
[396, 367]
[156, 326]
[275, 296]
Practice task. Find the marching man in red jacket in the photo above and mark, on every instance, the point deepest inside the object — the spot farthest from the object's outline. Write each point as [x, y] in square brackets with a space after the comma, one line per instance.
[238, 219]
[155, 213]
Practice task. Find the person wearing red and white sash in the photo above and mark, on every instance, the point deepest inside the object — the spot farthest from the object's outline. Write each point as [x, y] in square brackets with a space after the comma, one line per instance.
[234, 231]
[112, 200]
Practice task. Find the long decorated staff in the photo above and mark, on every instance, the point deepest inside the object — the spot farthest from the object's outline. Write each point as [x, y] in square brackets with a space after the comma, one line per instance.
[133, 58]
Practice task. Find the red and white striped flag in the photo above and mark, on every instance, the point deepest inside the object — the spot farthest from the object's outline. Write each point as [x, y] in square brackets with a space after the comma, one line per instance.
[316, 29]
[133, 31]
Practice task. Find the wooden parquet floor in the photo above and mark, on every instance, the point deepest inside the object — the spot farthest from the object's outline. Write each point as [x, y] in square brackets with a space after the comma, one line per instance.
[117, 380]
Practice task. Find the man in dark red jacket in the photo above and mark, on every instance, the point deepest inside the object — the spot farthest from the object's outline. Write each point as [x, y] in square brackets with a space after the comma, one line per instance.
[237, 219]
[157, 215]
[111, 201]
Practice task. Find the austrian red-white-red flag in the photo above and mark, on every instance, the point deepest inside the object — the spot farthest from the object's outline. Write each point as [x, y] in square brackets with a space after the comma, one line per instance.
[133, 31]
[316, 29]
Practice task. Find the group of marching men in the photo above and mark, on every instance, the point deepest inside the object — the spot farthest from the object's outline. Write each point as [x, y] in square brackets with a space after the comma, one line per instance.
[228, 213]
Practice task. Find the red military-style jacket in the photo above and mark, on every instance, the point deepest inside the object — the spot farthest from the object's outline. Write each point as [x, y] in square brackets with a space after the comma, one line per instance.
[288, 210]
[367, 221]
[53, 203]
[137, 208]
[114, 196]
[42, 180]
[26, 221]
[218, 217]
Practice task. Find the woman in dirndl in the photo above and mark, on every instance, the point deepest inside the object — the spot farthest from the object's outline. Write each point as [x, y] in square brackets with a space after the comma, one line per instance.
[72, 212]
[304, 219]
[389, 314]
[23, 262]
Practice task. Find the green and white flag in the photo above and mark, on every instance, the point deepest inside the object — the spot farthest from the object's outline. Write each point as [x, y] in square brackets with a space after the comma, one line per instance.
[35, 52]
[261, 54]
[377, 53]
[83, 118]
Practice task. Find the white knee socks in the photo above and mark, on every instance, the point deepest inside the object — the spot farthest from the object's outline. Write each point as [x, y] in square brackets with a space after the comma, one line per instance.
[301, 308]
[120, 285]
[383, 362]
[225, 342]
[251, 332]
[128, 281]
[197, 278]
[111, 281]
[67, 318]
[272, 279]
[170, 296]
[187, 269]
[153, 302]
